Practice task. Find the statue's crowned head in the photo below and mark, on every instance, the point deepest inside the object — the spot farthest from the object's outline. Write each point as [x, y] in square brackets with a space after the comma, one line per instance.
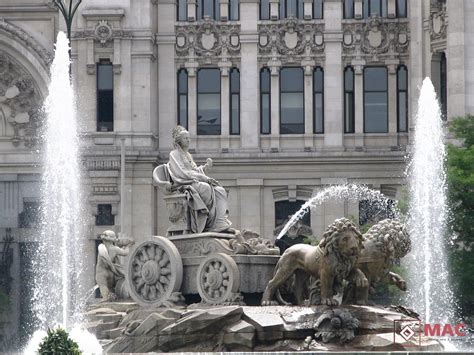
[179, 135]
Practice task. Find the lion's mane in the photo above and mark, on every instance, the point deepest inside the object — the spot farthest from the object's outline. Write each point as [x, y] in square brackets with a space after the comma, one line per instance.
[390, 231]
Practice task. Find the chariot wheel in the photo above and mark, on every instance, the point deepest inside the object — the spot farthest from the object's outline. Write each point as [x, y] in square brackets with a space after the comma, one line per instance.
[155, 271]
[218, 278]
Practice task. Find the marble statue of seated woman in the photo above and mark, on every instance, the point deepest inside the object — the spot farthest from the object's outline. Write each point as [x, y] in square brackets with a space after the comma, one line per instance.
[207, 200]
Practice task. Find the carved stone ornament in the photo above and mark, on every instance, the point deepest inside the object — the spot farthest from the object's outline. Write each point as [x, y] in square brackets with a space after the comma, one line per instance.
[207, 41]
[20, 103]
[290, 40]
[103, 32]
[438, 25]
[376, 40]
[336, 326]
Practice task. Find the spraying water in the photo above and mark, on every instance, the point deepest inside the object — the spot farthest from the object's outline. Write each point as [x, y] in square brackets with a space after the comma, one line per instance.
[429, 288]
[354, 192]
[58, 295]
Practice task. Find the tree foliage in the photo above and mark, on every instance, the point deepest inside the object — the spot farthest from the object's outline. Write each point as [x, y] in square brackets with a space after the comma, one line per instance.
[460, 174]
[58, 342]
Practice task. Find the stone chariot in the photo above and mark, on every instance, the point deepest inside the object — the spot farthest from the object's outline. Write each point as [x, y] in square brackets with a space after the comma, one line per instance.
[220, 267]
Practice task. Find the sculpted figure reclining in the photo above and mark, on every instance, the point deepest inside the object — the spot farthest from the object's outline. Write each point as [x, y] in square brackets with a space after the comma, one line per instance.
[331, 262]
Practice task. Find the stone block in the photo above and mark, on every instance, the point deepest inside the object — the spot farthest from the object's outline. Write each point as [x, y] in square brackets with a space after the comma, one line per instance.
[238, 335]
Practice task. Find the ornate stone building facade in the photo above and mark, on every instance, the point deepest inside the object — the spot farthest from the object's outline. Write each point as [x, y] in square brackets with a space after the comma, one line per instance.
[286, 96]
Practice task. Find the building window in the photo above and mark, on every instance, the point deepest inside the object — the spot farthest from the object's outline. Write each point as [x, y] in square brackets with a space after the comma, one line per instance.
[348, 8]
[183, 98]
[349, 117]
[182, 10]
[443, 95]
[104, 215]
[105, 97]
[370, 213]
[286, 209]
[292, 8]
[378, 7]
[375, 100]
[265, 101]
[264, 9]
[318, 100]
[30, 216]
[401, 8]
[291, 100]
[209, 101]
[234, 101]
[402, 98]
[318, 9]
[233, 10]
[208, 8]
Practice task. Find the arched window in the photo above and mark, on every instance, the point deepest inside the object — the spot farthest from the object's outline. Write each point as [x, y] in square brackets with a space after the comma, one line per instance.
[183, 98]
[182, 10]
[401, 8]
[265, 101]
[292, 8]
[264, 9]
[348, 8]
[349, 117]
[318, 100]
[402, 98]
[208, 101]
[443, 94]
[291, 100]
[234, 101]
[375, 100]
[318, 9]
[378, 7]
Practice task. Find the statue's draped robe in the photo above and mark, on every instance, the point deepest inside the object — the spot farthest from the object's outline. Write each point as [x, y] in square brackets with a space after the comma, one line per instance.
[107, 270]
[207, 203]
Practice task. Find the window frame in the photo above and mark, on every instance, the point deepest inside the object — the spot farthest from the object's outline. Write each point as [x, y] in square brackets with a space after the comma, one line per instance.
[280, 100]
[398, 99]
[347, 131]
[314, 100]
[230, 102]
[364, 92]
[101, 63]
[220, 100]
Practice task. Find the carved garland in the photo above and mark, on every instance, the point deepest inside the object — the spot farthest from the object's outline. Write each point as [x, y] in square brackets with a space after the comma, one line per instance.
[290, 41]
[103, 32]
[207, 42]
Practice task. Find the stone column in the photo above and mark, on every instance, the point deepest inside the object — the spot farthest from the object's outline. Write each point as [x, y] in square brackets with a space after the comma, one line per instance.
[359, 106]
[308, 106]
[333, 76]
[274, 9]
[225, 105]
[392, 101]
[192, 10]
[192, 104]
[275, 108]
[249, 90]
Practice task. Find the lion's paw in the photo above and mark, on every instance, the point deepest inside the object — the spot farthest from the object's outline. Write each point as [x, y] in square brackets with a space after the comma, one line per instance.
[269, 303]
[329, 302]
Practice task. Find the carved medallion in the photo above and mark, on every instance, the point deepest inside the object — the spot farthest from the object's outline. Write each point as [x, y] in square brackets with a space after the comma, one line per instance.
[291, 40]
[375, 38]
[103, 32]
[208, 40]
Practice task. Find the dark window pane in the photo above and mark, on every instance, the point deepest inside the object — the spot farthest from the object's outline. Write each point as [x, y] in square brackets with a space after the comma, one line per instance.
[264, 9]
[208, 8]
[199, 9]
[365, 9]
[318, 9]
[182, 10]
[182, 81]
[285, 209]
[105, 77]
[282, 9]
[318, 80]
[402, 111]
[292, 113]
[265, 80]
[217, 10]
[233, 10]
[349, 112]
[291, 79]
[291, 8]
[209, 113]
[348, 8]
[300, 9]
[30, 216]
[375, 79]
[234, 81]
[209, 81]
[443, 86]
[183, 111]
[318, 113]
[104, 216]
[375, 112]
[402, 78]
[401, 8]
[265, 108]
[349, 79]
[384, 8]
[235, 114]
[375, 7]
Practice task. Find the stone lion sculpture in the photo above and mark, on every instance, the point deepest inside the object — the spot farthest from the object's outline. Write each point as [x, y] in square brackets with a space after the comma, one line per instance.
[384, 243]
[332, 261]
